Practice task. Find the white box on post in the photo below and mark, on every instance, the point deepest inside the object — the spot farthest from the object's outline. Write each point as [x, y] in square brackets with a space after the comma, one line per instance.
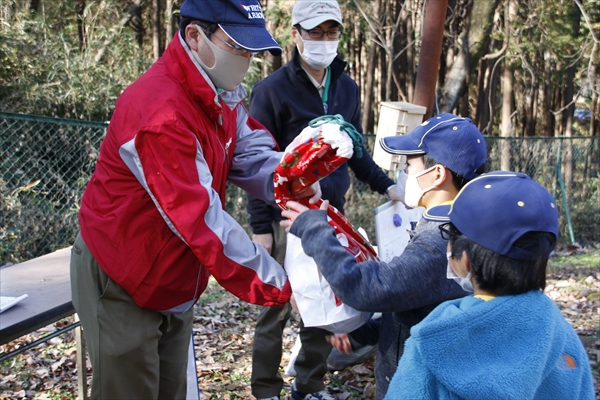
[395, 118]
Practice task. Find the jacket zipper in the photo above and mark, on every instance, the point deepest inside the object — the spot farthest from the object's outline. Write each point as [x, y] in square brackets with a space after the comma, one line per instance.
[226, 147]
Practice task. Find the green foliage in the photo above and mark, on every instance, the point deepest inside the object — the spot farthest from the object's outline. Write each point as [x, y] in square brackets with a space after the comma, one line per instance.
[43, 70]
[585, 217]
[588, 260]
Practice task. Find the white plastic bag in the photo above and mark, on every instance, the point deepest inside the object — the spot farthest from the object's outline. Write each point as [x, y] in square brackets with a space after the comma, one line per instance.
[318, 305]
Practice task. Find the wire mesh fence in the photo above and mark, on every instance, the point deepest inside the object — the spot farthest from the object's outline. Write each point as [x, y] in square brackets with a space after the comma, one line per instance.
[568, 167]
[46, 163]
[44, 167]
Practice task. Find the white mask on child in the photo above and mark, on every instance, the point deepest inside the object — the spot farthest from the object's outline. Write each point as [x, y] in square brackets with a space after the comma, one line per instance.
[465, 283]
[412, 189]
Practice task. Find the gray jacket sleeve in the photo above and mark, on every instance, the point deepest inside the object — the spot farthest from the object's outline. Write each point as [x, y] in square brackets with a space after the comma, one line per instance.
[254, 160]
[415, 279]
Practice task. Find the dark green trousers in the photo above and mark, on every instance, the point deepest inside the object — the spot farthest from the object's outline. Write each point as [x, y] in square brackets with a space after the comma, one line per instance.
[311, 364]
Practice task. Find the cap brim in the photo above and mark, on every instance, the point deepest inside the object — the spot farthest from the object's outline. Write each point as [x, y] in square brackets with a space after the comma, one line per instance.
[402, 145]
[438, 213]
[252, 38]
[316, 21]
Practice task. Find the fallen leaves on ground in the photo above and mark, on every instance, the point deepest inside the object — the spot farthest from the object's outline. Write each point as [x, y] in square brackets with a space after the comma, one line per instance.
[223, 333]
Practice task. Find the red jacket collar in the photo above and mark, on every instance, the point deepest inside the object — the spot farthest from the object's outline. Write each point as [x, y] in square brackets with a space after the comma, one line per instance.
[178, 60]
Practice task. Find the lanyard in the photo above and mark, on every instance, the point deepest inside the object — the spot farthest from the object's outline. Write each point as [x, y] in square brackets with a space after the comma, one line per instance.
[325, 96]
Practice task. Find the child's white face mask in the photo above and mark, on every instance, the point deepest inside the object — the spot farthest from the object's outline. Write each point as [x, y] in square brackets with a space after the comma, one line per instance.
[412, 189]
[465, 283]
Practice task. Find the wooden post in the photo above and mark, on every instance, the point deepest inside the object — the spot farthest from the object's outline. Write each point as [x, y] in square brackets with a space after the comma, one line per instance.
[81, 362]
[431, 51]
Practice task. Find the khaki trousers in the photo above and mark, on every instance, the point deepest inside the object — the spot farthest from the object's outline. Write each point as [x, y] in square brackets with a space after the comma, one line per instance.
[135, 353]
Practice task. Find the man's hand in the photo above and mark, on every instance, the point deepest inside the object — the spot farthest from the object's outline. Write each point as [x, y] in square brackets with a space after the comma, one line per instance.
[341, 342]
[293, 209]
[265, 240]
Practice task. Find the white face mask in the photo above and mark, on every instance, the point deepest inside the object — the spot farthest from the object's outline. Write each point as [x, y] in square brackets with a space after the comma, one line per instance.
[228, 70]
[465, 283]
[319, 54]
[412, 189]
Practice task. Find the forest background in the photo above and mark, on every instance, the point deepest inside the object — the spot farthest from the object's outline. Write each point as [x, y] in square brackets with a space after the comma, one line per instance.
[517, 68]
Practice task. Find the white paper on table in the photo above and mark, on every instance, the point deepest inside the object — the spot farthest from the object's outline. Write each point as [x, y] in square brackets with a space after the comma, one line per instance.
[391, 238]
[7, 302]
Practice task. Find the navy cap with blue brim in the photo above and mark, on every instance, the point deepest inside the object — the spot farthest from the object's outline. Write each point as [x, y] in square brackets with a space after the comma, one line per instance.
[451, 140]
[497, 208]
[242, 20]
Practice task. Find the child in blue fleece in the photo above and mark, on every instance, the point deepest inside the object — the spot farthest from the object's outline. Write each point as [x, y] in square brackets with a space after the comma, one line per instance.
[508, 340]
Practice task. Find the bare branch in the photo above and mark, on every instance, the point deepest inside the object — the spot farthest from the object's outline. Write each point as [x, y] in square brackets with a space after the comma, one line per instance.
[497, 53]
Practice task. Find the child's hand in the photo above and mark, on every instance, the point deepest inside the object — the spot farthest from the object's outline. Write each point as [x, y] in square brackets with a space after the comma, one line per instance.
[293, 209]
[341, 342]
[294, 305]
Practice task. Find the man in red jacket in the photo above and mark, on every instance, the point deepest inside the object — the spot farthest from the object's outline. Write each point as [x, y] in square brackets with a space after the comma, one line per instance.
[153, 228]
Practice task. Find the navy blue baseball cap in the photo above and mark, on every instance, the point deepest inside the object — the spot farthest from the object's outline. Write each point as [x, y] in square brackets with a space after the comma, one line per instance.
[497, 208]
[451, 140]
[242, 20]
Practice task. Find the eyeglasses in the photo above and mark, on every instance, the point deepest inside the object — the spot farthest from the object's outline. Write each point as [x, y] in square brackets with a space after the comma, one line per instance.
[318, 33]
[235, 49]
[448, 230]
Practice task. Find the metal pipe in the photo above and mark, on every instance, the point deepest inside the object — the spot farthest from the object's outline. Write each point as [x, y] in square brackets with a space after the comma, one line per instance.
[13, 353]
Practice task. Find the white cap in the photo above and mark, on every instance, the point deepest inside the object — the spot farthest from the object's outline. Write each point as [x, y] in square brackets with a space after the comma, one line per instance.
[310, 14]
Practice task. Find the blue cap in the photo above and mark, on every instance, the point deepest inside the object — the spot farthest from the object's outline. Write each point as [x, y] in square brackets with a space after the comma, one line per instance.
[497, 208]
[242, 20]
[451, 140]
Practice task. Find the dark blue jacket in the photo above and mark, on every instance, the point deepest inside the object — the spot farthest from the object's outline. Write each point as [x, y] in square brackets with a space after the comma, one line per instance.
[285, 102]
[404, 290]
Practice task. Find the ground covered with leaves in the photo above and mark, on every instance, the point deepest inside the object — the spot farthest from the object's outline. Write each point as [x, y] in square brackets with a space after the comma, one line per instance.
[223, 332]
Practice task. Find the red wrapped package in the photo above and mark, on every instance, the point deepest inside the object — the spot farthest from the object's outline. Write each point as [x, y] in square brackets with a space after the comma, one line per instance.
[318, 150]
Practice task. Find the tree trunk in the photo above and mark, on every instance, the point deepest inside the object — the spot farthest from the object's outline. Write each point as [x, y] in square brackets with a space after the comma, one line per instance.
[370, 80]
[507, 89]
[410, 58]
[594, 117]
[559, 103]
[481, 109]
[272, 63]
[532, 106]
[137, 22]
[570, 110]
[170, 27]
[34, 5]
[429, 57]
[81, 24]
[474, 42]
[156, 23]
[547, 102]
[367, 115]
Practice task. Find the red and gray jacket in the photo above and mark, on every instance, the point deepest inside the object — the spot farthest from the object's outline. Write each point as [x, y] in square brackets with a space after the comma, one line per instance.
[152, 213]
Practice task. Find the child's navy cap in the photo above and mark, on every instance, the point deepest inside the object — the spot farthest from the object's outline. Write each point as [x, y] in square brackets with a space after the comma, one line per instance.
[450, 140]
[497, 208]
[242, 20]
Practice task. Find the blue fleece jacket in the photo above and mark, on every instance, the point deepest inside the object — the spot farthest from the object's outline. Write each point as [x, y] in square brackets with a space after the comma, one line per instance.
[511, 347]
